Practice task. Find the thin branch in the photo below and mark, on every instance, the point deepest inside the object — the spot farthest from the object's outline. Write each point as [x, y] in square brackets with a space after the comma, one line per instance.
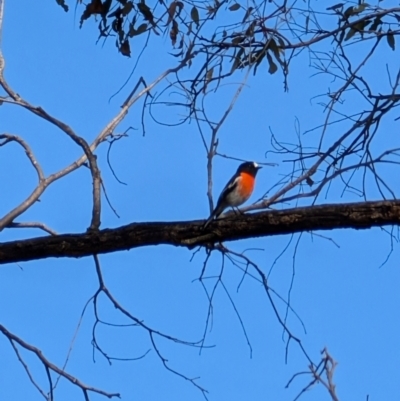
[29, 153]
[48, 365]
[27, 370]
[33, 224]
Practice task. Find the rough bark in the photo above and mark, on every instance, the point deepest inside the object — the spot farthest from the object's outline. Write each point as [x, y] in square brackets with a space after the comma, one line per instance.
[190, 233]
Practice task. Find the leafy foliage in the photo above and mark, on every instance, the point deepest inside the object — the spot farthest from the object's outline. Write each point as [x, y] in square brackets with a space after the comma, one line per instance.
[215, 40]
[229, 35]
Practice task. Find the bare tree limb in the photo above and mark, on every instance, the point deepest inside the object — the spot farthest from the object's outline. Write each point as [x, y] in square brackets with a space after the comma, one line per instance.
[190, 234]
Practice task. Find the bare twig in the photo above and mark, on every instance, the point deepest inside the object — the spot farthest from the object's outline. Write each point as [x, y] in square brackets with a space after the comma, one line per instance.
[33, 224]
[50, 366]
[137, 322]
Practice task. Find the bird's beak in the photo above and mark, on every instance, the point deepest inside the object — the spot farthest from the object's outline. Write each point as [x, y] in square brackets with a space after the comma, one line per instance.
[259, 167]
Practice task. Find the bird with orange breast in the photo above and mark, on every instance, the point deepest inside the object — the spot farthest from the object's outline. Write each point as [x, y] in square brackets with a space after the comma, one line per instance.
[238, 189]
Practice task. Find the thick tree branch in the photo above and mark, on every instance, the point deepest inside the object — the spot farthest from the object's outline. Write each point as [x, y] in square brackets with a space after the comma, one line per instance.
[190, 234]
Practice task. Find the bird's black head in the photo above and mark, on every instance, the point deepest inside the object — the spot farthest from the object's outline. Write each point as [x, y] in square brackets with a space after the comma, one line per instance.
[249, 167]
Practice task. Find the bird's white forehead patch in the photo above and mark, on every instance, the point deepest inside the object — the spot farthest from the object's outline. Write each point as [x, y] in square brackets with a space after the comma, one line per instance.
[255, 164]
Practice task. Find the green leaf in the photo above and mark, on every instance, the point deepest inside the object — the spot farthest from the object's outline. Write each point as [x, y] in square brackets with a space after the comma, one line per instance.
[235, 64]
[125, 48]
[360, 8]
[350, 33]
[177, 54]
[93, 8]
[106, 7]
[250, 29]
[359, 27]
[237, 60]
[273, 68]
[116, 13]
[142, 28]
[274, 47]
[209, 76]
[127, 8]
[146, 12]
[117, 25]
[173, 33]
[171, 12]
[180, 46]
[281, 43]
[238, 39]
[355, 10]
[180, 6]
[348, 12]
[234, 7]
[62, 4]
[135, 32]
[258, 58]
[194, 14]
[390, 39]
[376, 23]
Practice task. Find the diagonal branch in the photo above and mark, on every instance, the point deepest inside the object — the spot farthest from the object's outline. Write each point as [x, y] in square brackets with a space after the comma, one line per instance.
[50, 366]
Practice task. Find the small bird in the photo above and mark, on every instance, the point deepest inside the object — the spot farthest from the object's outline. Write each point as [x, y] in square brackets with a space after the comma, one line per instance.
[237, 190]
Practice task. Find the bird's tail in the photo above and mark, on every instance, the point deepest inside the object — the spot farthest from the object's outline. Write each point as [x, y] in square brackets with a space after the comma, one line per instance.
[209, 220]
[215, 213]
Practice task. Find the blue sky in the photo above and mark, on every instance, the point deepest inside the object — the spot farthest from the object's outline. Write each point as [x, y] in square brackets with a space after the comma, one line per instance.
[348, 303]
